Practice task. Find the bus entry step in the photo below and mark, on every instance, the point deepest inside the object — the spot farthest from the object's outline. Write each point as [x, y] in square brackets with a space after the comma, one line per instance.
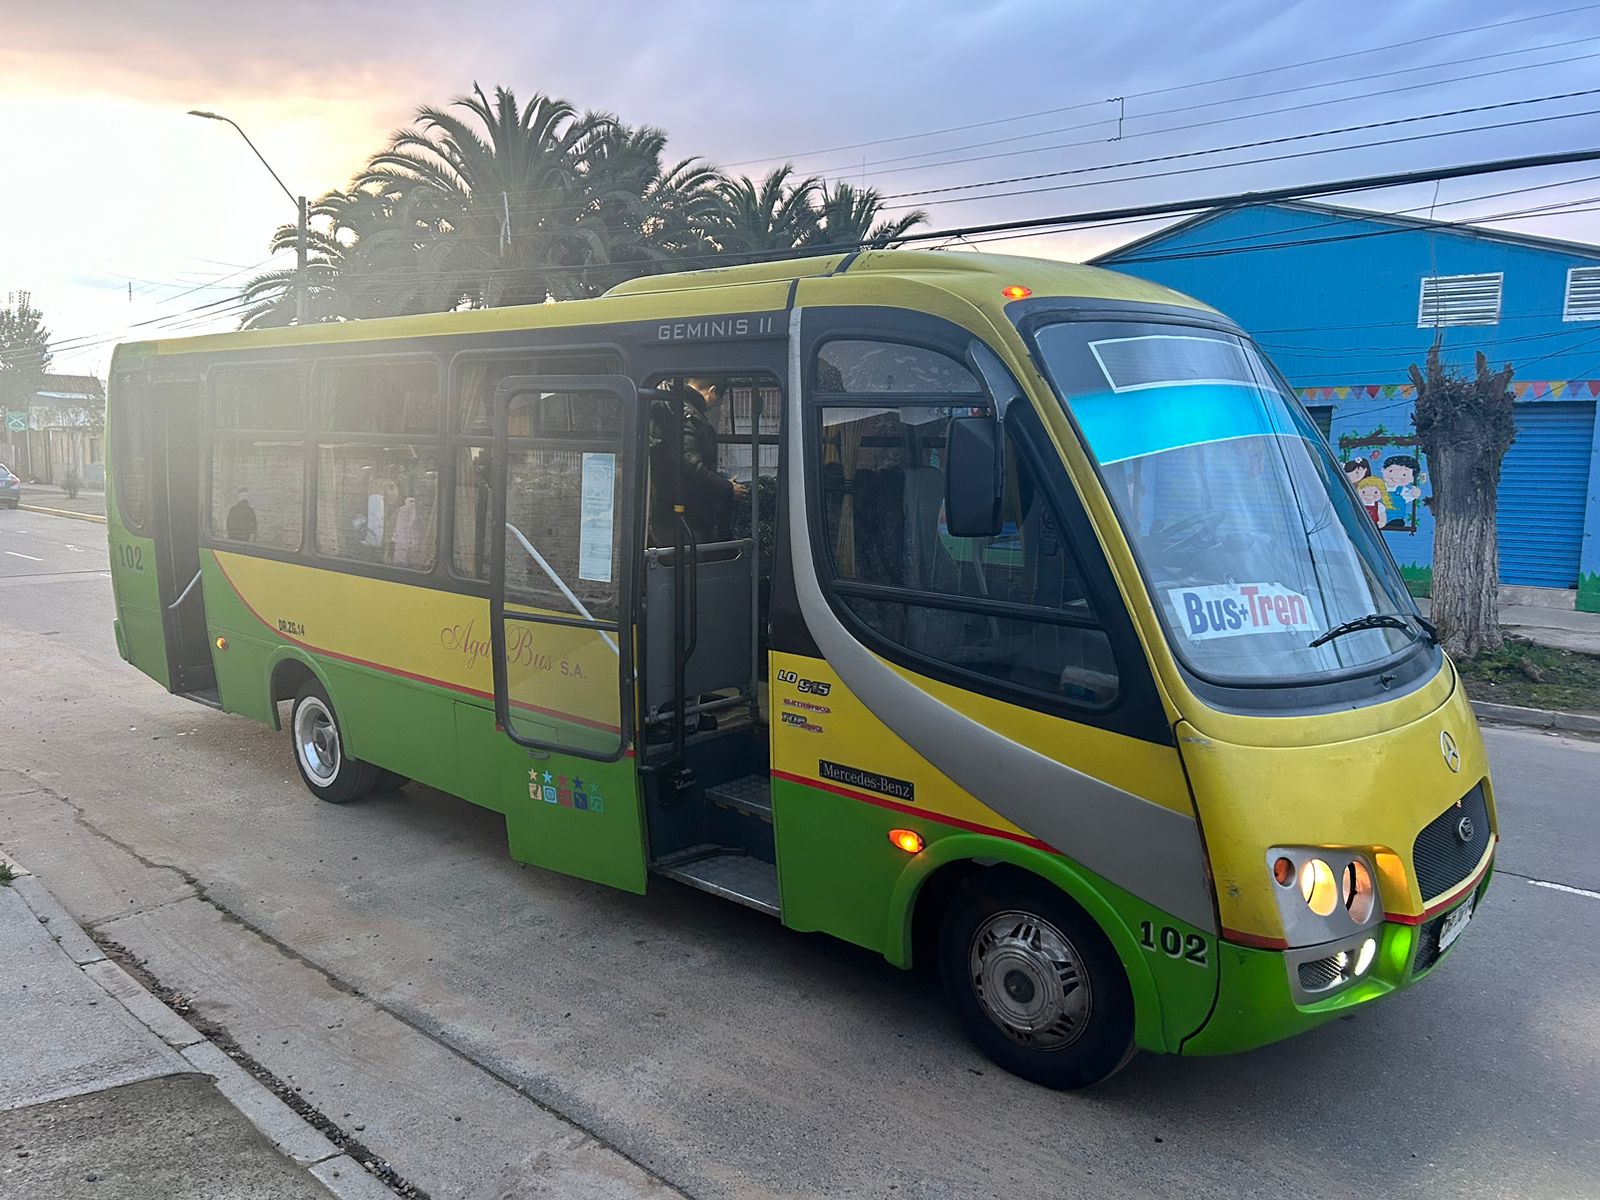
[731, 874]
[751, 794]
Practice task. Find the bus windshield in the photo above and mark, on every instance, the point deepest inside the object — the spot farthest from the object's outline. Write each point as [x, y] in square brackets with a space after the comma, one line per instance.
[1252, 544]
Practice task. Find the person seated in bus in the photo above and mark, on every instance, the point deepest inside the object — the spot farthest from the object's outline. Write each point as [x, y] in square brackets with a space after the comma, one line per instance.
[408, 548]
[706, 491]
[241, 522]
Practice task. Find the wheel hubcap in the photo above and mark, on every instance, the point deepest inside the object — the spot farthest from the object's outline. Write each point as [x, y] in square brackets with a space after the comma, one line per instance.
[316, 740]
[1030, 980]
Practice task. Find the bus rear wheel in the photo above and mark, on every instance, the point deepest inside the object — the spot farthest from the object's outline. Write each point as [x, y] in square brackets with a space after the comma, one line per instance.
[329, 772]
[1034, 981]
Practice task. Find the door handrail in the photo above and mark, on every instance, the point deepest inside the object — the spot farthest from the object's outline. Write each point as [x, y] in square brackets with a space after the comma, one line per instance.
[184, 595]
[565, 590]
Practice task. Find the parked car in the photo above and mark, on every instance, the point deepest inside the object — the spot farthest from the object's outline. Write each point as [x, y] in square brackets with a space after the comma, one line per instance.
[10, 488]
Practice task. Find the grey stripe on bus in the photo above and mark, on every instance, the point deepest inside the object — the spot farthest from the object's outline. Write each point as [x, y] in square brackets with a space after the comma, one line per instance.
[1138, 845]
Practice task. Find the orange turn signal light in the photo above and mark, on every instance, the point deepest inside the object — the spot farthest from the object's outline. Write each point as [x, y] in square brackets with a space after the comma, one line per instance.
[1016, 292]
[908, 840]
[222, 643]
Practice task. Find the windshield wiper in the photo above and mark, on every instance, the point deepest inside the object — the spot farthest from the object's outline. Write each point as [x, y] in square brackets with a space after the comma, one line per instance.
[1371, 621]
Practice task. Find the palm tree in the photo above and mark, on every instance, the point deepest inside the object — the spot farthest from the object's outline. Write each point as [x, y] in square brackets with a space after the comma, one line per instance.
[502, 208]
[851, 216]
[766, 219]
[488, 202]
[649, 216]
[362, 261]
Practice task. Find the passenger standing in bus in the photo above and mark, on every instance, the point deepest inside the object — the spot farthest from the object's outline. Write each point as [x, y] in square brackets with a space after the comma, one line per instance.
[706, 492]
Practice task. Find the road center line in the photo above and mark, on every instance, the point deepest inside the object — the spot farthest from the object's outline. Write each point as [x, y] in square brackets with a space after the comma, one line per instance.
[1561, 887]
[29, 557]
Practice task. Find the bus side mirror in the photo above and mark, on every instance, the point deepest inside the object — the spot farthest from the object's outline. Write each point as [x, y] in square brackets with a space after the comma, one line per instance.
[974, 477]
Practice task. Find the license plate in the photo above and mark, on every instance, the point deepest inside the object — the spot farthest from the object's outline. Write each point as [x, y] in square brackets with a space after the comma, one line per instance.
[1453, 925]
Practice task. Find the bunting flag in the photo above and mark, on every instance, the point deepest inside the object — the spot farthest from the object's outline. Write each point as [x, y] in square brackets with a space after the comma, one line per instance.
[1522, 389]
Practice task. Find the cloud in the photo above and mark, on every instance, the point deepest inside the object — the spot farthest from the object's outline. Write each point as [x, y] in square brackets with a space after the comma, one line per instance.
[92, 95]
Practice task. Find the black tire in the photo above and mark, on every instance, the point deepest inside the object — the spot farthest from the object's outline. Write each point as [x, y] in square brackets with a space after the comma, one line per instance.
[1012, 946]
[318, 747]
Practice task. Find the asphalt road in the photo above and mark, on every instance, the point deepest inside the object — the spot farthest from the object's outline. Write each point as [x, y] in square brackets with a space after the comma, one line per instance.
[702, 1046]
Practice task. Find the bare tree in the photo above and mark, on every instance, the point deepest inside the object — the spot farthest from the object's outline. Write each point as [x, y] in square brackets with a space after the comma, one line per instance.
[1464, 426]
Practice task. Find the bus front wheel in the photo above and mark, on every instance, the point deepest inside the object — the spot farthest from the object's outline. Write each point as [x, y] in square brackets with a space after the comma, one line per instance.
[1035, 982]
[329, 772]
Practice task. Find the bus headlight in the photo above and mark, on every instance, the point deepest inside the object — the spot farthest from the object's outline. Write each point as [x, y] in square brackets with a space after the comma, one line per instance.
[1317, 887]
[1323, 894]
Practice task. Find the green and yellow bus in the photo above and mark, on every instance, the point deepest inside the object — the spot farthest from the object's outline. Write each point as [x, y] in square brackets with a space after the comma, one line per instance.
[1007, 615]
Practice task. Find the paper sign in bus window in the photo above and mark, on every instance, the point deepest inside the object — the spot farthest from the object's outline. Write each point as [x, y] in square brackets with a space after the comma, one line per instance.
[1235, 609]
[597, 516]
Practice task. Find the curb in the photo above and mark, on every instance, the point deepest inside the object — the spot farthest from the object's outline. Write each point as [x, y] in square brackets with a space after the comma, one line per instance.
[61, 512]
[1536, 718]
[294, 1137]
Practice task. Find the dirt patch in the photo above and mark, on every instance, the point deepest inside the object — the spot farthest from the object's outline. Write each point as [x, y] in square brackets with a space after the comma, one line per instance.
[1533, 676]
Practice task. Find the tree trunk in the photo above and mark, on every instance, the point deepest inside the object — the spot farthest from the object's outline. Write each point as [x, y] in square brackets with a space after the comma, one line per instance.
[1466, 553]
[1465, 428]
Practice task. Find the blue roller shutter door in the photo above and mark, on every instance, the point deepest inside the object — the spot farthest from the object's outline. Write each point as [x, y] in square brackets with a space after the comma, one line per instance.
[1544, 483]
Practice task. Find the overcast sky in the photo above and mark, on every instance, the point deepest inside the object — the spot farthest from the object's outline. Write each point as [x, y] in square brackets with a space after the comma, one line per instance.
[109, 185]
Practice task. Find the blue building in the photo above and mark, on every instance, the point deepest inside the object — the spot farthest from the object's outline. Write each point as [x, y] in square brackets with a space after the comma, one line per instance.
[1344, 300]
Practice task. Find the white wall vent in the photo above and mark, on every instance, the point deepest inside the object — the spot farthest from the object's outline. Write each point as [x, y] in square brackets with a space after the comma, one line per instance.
[1460, 300]
[1583, 295]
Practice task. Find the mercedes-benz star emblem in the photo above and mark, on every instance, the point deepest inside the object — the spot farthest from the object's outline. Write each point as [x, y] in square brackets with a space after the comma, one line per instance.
[1464, 830]
[1447, 747]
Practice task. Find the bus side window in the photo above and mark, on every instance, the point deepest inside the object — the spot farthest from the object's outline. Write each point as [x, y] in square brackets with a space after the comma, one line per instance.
[258, 456]
[1012, 608]
[377, 463]
[131, 465]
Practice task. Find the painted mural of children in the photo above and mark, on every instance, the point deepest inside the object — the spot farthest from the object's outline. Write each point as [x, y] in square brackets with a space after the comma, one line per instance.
[1374, 495]
[1356, 470]
[1400, 476]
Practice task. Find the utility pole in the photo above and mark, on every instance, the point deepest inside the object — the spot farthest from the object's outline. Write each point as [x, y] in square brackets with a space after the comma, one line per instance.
[302, 298]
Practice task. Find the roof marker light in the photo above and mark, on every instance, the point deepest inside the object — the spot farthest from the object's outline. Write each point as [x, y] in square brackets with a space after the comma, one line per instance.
[1016, 292]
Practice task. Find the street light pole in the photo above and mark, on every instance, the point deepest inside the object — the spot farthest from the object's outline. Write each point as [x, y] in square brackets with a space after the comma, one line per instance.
[301, 297]
[302, 300]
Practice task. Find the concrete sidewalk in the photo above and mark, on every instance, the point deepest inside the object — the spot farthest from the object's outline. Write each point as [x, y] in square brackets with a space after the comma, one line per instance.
[1558, 628]
[106, 1092]
[1562, 629]
[48, 498]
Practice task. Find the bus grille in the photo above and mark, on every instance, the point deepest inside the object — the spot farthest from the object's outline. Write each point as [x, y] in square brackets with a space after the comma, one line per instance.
[1320, 974]
[1441, 856]
[1427, 946]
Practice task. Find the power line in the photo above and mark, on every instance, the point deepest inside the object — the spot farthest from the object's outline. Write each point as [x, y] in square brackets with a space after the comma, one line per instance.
[878, 170]
[1362, 215]
[1206, 152]
[1180, 256]
[1273, 141]
[1114, 217]
[1274, 158]
[1175, 87]
[575, 207]
[484, 238]
[1229, 200]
